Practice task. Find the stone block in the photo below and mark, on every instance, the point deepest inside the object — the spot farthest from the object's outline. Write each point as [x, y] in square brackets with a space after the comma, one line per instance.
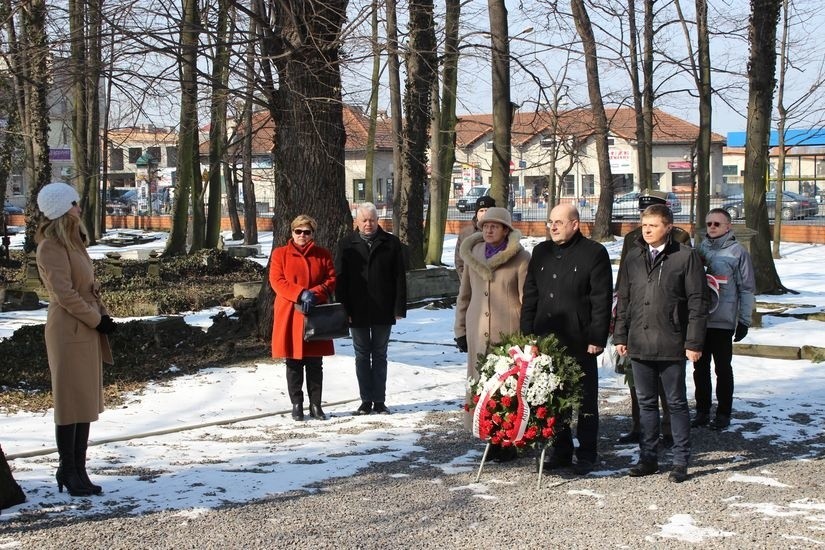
[248, 289]
[768, 351]
[437, 282]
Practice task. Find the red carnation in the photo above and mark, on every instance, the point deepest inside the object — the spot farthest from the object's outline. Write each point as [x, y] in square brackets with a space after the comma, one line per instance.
[496, 418]
[547, 432]
[492, 405]
[541, 412]
[466, 407]
[506, 400]
[476, 398]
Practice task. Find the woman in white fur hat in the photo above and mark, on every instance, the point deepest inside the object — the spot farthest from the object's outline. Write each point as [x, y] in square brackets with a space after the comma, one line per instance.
[489, 299]
[77, 325]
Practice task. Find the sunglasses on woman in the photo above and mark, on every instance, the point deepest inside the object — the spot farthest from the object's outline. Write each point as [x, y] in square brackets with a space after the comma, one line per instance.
[302, 231]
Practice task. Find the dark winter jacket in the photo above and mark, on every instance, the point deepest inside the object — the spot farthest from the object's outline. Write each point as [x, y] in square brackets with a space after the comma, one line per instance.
[569, 293]
[372, 280]
[730, 264]
[662, 306]
[676, 234]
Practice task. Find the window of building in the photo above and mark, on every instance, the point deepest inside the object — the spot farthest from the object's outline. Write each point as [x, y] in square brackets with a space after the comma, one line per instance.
[610, 141]
[154, 152]
[488, 146]
[656, 181]
[134, 154]
[546, 142]
[622, 183]
[588, 184]
[730, 170]
[116, 159]
[682, 179]
[568, 185]
[359, 188]
[171, 156]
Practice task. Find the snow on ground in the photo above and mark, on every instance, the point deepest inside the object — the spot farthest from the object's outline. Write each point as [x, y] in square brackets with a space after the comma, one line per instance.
[214, 461]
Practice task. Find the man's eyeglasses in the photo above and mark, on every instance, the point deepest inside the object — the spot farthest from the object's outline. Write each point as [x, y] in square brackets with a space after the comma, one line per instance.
[558, 223]
[713, 224]
[302, 231]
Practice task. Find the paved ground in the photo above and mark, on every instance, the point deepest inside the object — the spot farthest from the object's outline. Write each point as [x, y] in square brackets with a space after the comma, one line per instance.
[743, 493]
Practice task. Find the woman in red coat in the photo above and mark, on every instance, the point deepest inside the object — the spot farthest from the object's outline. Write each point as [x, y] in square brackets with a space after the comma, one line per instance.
[302, 275]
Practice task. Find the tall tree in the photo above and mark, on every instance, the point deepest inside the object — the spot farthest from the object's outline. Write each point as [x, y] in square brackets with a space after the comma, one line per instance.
[421, 64]
[443, 137]
[601, 227]
[369, 171]
[502, 106]
[396, 112]
[764, 18]
[189, 177]
[302, 40]
[217, 127]
[28, 61]
[85, 70]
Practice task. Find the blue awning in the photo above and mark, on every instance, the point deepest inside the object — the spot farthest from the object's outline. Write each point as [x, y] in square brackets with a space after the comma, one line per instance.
[793, 138]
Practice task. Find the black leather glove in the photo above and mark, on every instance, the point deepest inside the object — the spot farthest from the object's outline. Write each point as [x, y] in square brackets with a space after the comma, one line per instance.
[307, 299]
[461, 344]
[106, 325]
[741, 332]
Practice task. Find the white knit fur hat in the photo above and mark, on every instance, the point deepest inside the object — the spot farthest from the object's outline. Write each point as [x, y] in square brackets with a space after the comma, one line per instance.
[55, 199]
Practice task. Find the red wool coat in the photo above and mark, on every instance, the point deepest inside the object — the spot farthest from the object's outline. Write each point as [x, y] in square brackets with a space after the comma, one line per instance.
[291, 272]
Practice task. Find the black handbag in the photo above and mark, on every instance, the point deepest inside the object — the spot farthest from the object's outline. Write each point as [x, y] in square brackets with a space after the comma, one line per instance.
[326, 322]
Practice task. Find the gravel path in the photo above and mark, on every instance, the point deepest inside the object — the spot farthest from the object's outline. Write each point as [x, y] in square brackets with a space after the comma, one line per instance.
[743, 493]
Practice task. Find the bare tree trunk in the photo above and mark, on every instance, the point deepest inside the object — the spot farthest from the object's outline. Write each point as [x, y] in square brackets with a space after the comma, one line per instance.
[217, 128]
[421, 63]
[232, 201]
[250, 212]
[188, 158]
[601, 227]
[761, 80]
[647, 93]
[641, 137]
[396, 113]
[502, 106]
[28, 62]
[444, 153]
[703, 143]
[369, 174]
[781, 125]
[303, 45]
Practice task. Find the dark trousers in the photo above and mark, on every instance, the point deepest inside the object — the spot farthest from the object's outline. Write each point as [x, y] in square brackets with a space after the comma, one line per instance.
[295, 379]
[719, 346]
[634, 410]
[587, 428]
[646, 376]
[370, 345]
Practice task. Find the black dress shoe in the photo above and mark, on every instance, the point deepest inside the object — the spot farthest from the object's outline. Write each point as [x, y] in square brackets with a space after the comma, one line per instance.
[365, 408]
[720, 422]
[297, 411]
[629, 437]
[666, 441]
[583, 467]
[503, 454]
[701, 419]
[316, 412]
[643, 469]
[380, 408]
[678, 474]
[557, 461]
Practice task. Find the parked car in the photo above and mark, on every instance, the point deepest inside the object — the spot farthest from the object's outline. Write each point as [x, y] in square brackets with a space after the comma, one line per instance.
[794, 206]
[9, 208]
[627, 205]
[468, 201]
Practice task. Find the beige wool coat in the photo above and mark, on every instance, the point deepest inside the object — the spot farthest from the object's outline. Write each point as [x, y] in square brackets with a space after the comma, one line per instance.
[489, 298]
[75, 349]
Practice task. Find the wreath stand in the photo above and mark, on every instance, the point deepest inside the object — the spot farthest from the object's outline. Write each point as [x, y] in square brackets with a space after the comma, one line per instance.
[541, 463]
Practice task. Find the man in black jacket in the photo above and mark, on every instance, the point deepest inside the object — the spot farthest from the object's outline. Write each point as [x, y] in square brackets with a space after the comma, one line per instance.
[660, 321]
[568, 292]
[372, 285]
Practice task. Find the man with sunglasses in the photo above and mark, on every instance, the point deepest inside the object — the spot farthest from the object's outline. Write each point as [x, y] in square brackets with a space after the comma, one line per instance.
[727, 261]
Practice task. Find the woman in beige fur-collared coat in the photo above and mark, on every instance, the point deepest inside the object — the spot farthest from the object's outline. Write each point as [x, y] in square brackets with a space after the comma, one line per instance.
[77, 325]
[489, 299]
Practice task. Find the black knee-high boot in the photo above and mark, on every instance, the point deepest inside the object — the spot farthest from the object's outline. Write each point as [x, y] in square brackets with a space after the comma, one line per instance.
[67, 472]
[315, 380]
[81, 442]
[294, 386]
